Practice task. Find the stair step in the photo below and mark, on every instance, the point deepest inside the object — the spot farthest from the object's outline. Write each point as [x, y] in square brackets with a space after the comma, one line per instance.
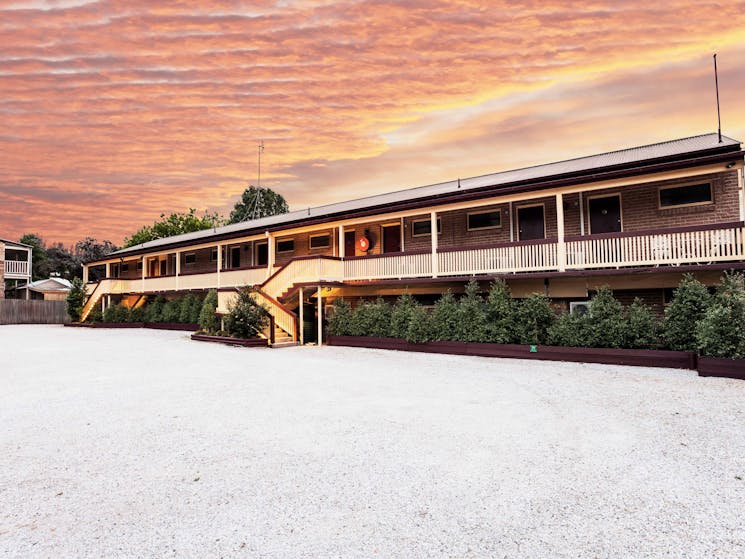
[288, 343]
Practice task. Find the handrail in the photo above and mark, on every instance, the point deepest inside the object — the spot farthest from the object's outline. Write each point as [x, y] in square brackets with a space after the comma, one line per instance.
[92, 300]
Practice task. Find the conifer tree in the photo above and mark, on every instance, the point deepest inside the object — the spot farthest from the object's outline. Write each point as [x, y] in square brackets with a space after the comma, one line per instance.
[689, 304]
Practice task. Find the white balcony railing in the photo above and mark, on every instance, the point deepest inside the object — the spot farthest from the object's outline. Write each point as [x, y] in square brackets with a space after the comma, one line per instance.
[16, 268]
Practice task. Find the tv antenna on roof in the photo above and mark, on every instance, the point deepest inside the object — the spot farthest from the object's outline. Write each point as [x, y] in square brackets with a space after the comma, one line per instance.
[256, 205]
[716, 85]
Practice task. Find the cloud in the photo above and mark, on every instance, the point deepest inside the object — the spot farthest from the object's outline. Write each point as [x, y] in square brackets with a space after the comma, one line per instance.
[136, 109]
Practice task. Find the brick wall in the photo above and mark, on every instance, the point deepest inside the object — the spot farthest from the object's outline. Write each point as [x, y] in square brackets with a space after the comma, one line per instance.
[2, 271]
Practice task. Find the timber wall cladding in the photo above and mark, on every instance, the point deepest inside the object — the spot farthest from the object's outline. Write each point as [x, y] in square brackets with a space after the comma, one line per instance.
[20, 311]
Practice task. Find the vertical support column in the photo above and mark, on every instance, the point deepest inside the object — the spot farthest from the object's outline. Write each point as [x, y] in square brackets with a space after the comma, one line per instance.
[219, 264]
[561, 249]
[178, 269]
[85, 273]
[320, 317]
[342, 247]
[270, 251]
[144, 272]
[29, 272]
[300, 298]
[403, 236]
[512, 225]
[581, 215]
[108, 270]
[433, 237]
[741, 191]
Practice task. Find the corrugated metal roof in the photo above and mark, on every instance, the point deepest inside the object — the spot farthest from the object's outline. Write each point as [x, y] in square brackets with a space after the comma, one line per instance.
[610, 159]
[9, 242]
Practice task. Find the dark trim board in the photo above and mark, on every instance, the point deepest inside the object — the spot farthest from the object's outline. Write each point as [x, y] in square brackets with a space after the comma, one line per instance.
[250, 342]
[609, 356]
[721, 367]
[151, 325]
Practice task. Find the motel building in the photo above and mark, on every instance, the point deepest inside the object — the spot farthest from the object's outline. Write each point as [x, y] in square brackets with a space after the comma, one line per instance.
[635, 220]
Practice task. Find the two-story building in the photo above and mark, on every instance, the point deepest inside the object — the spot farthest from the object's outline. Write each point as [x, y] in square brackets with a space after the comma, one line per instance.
[15, 264]
[634, 219]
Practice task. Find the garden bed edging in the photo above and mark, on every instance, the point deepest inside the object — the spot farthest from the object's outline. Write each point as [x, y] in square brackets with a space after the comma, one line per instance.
[721, 367]
[248, 342]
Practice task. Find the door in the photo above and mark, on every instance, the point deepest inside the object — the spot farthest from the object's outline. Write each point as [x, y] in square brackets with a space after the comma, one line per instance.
[391, 238]
[531, 223]
[349, 240]
[605, 214]
[235, 257]
[262, 254]
[164, 267]
[153, 268]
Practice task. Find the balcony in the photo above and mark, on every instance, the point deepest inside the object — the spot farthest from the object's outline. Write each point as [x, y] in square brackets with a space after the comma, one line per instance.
[16, 269]
[702, 245]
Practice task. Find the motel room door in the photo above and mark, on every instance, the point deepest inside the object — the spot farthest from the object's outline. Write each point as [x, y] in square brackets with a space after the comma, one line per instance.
[605, 214]
[531, 223]
[349, 240]
[262, 254]
[391, 238]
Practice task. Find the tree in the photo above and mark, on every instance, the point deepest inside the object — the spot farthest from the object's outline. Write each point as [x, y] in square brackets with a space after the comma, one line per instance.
[258, 202]
[500, 314]
[76, 299]
[90, 250]
[401, 314]
[246, 318]
[533, 319]
[207, 319]
[444, 318]
[471, 315]
[340, 320]
[605, 320]
[60, 261]
[689, 304]
[721, 331]
[174, 224]
[39, 267]
[642, 329]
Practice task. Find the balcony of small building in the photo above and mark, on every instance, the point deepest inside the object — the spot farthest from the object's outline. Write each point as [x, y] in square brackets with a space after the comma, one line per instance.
[17, 261]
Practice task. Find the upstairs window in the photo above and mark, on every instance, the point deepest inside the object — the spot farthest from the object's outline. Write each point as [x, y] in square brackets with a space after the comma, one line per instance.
[139, 265]
[484, 220]
[213, 255]
[423, 227]
[286, 245]
[125, 267]
[688, 195]
[190, 258]
[320, 241]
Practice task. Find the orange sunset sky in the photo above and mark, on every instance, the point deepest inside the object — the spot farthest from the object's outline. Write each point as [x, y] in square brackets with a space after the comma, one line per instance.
[116, 111]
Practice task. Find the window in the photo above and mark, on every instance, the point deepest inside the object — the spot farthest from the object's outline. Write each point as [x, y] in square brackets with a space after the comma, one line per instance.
[320, 241]
[190, 258]
[689, 195]
[579, 307]
[139, 266]
[286, 245]
[213, 255]
[423, 227]
[125, 267]
[484, 220]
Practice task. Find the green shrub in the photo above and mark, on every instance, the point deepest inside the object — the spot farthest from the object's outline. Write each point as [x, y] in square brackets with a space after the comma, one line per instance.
[533, 319]
[641, 327]
[419, 330]
[689, 304]
[569, 330]
[137, 315]
[189, 308]
[154, 310]
[500, 314]
[471, 315]
[171, 311]
[605, 321]
[246, 318]
[76, 299]
[444, 318]
[721, 331]
[95, 315]
[340, 320]
[116, 313]
[207, 319]
[400, 314]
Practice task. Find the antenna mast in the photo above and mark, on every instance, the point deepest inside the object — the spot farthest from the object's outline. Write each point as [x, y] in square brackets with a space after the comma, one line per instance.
[257, 208]
[261, 150]
[716, 84]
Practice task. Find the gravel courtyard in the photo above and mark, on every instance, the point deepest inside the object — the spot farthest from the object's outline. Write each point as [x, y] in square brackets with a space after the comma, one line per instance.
[142, 443]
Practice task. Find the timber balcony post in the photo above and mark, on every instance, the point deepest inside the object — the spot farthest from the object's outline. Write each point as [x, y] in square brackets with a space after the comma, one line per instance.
[433, 237]
[270, 256]
[178, 268]
[561, 249]
[342, 248]
[219, 264]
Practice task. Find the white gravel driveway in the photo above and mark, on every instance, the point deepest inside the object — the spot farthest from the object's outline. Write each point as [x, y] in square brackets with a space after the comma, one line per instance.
[140, 443]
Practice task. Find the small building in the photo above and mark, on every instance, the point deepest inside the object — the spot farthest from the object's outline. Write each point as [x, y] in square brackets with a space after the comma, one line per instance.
[15, 265]
[50, 289]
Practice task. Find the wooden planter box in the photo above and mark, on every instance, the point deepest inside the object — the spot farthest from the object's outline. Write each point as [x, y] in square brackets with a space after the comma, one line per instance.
[153, 325]
[721, 367]
[636, 357]
[250, 342]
